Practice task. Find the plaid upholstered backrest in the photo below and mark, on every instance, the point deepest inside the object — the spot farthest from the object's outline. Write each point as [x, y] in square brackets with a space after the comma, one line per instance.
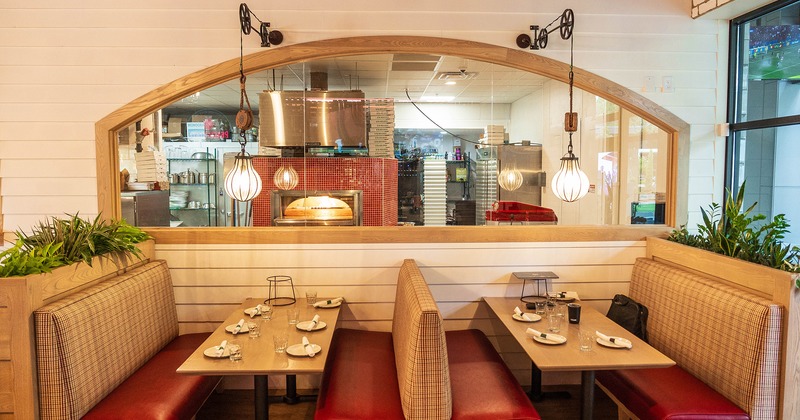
[727, 337]
[420, 349]
[88, 343]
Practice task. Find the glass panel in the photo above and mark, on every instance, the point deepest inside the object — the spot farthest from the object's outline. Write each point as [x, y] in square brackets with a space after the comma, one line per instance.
[416, 139]
[767, 160]
[770, 67]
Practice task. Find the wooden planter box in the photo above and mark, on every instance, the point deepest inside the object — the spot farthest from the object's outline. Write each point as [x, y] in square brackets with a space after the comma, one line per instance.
[19, 297]
[776, 285]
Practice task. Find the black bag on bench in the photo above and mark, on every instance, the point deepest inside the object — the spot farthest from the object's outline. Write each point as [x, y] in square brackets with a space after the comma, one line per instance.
[630, 315]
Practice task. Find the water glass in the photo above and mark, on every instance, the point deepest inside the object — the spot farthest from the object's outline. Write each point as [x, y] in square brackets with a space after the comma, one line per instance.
[253, 329]
[554, 322]
[235, 351]
[311, 297]
[540, 305]
[561, 309]
[266, 313]
[587, 340]
[281, 340]
[291, 315]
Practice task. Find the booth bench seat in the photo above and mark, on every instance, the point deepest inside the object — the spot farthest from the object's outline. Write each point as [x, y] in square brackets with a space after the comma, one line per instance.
[725, 340]
[418, 371]
[111, 351]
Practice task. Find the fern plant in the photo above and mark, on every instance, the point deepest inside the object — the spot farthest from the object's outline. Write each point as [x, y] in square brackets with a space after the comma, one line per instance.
[734, 232]
[57, 242]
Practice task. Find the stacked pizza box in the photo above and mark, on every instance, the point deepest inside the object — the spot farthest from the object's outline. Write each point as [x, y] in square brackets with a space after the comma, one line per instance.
[151, 167]
[494, 134]
[381, 128]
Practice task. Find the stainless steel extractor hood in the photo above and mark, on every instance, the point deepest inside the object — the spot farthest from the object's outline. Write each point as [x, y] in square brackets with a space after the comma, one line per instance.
[311, 118]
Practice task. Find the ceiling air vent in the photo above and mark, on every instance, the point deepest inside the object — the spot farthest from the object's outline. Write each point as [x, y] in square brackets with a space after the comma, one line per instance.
[456, 75]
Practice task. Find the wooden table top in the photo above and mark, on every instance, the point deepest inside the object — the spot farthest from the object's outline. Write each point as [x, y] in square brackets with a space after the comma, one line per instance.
[568, 356]
[258, 354]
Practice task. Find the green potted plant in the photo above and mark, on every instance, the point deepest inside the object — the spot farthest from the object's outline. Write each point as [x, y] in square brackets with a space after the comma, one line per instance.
[734, 232]
[58, 242]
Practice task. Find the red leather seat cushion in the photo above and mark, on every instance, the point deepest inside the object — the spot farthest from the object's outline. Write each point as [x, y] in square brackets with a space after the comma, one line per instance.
[668, 393]
[360, 378]
[156, 391]
[483, 386]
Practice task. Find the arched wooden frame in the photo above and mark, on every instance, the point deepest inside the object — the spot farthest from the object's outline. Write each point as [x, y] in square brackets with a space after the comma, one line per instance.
[108, 183]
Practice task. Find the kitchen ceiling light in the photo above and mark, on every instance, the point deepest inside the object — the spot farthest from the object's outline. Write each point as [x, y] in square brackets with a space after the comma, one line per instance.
[285, 178]
[510, 179]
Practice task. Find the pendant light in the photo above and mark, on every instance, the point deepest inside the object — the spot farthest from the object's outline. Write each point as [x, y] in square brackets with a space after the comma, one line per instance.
[285, 178]
[570, 183]
[242, 182]
[510, 179]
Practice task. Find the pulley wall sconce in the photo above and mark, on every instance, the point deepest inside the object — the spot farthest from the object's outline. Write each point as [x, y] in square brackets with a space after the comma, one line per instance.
[268, 38]
[539, 39]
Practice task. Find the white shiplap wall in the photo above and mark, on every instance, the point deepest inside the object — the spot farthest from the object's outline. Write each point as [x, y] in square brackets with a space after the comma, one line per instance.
[65, 65]
[212, 280]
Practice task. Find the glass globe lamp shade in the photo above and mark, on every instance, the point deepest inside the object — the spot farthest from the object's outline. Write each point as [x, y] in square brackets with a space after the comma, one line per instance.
[510, 179]
[242, 182]
[285, 178]
[570, 183]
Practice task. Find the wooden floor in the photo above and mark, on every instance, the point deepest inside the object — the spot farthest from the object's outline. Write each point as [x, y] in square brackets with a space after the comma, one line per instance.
[238, 404]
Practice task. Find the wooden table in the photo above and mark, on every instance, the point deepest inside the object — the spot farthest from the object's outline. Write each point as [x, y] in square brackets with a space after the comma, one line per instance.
[258, 355]
[568, 356]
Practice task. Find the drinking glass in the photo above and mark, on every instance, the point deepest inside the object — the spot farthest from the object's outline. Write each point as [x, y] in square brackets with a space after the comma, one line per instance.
[235, 351]
[554, 322]
[311, 297]
[587, 339]
[266, 313]
[540, 305]
[281, 340]
[291, 315]
[253, 329]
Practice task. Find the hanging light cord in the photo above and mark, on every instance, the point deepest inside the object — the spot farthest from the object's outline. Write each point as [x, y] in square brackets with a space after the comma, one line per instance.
[571, 82]
[243, 123]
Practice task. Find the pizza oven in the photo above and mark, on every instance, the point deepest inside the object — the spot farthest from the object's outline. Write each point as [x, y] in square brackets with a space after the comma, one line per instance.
[316, 208]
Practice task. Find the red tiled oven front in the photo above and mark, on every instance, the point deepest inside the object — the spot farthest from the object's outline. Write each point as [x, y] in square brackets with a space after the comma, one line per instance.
[376, 178]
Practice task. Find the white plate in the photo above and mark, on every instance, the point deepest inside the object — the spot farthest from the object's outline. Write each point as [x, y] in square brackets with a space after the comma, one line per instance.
[533, 317]
[549, 341]
[605, 343]
[244, 329]
[305, 324]
[212, 352]
[332, 305]
[298, 350]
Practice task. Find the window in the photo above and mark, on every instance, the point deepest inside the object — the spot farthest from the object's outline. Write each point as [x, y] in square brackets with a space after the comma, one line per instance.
[764, 110]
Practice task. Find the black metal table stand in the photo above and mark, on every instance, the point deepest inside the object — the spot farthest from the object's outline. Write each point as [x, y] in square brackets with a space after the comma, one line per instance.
[261, 388]
[291, 396]
[587, 394]
[536, 393]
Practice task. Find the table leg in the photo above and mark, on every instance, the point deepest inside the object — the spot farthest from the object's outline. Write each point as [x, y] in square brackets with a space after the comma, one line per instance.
[536, 393]
[587, 394]
[291, 396]
[261, 387]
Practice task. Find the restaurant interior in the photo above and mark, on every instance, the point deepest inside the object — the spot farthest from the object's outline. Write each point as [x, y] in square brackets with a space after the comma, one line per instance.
[367, 210]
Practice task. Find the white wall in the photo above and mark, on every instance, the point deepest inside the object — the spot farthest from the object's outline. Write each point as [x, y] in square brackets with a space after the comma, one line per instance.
[63, 66]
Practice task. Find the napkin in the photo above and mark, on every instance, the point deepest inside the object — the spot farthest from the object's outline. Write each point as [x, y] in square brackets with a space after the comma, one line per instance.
[221, 348]
[328, 302]
[521, 314]
[616, 340]
[238, 326]
[307, 347]
[257, 311]
[313, 323]
[552, 337]
[567, 295]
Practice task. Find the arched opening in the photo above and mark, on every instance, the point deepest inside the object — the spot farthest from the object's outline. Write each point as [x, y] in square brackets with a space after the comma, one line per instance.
[107, 128]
